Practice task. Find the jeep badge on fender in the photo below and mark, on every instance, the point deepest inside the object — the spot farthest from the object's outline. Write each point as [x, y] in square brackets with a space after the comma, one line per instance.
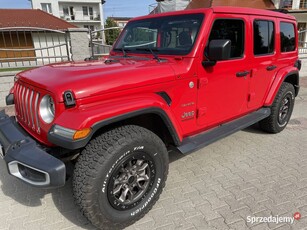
[178, 80]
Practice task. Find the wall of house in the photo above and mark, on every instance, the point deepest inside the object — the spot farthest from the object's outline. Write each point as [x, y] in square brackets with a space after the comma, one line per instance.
[36, 4]
[121, 23]
[57, 9]
[78, 11]
[97, 26]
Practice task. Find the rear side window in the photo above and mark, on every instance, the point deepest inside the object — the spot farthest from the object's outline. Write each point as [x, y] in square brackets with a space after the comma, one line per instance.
[230, 29]
[264, 37]
[287, 37]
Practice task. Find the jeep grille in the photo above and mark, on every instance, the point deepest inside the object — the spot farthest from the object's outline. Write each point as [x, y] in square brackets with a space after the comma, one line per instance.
[27, 105]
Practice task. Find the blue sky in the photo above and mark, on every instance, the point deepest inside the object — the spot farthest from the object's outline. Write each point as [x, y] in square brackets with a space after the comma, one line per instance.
[117, 8]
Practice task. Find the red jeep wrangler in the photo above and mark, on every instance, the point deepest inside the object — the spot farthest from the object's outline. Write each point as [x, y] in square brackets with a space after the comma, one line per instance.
[178, 80]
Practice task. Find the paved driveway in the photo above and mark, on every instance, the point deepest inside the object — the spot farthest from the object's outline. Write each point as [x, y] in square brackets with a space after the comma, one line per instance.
[248, 174]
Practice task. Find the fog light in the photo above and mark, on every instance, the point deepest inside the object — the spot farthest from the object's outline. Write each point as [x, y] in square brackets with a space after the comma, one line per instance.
[81, 133]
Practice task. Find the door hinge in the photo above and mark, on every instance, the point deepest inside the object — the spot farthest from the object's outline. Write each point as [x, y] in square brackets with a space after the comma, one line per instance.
[202, 82]
[201, 111]
[250, 96]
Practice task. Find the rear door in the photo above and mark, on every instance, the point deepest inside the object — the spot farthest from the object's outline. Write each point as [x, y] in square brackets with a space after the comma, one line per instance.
[265, 63]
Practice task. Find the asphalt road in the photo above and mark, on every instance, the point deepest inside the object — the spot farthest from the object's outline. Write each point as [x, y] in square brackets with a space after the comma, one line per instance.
[249, 174]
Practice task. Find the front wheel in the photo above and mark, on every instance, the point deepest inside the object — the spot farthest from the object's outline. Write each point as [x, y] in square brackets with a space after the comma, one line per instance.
[281, 110]
[119, 176]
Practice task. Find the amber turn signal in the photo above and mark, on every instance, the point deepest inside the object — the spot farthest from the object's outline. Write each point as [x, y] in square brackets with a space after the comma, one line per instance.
[81, 133]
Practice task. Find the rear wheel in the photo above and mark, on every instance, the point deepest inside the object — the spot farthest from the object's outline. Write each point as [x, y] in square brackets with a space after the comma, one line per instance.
[281, 110]
[119, 176]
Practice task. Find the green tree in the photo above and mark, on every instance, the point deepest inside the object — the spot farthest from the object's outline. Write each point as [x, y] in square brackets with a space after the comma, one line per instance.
[112, 34]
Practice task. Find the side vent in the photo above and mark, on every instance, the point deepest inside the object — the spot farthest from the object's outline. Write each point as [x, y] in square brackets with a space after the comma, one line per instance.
[165, 96]
[69, 99]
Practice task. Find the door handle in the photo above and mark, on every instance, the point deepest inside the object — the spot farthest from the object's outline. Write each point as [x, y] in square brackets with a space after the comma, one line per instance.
[242, 74]
[271, 67]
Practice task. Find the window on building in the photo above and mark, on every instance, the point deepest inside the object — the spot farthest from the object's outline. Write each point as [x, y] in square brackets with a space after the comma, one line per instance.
[65, 11]
[285, 4]
[263, 37]
[71, 10]
[87, 11]
[232, 30]
[46, 7]
[303, 4]
[287, 37]
[69, 13]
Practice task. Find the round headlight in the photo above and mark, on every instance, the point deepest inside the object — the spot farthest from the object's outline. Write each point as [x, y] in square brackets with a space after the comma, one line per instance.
[47, 109]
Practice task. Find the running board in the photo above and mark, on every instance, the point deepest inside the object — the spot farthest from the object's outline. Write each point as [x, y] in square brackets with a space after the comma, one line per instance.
[194, 143]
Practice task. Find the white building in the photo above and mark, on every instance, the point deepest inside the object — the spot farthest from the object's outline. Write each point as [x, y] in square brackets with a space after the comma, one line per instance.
[297, 8]
[82, 13]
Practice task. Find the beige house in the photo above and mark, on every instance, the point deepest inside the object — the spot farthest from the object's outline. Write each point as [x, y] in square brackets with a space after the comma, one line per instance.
[120, 21]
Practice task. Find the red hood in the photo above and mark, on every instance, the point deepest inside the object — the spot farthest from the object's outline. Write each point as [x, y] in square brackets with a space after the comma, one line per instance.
[88, 79]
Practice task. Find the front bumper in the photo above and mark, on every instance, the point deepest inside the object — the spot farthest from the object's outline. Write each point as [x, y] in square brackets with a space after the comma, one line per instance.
[25, 159]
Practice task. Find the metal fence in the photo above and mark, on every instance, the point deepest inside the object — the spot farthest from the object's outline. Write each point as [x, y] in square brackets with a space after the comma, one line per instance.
[302, 49]
[31, 46]
[97, 41]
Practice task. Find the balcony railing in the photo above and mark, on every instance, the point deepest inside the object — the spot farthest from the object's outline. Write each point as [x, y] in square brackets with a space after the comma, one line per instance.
[84, 18]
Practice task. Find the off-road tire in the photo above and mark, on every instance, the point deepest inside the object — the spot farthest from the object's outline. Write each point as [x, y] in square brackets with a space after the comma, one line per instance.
[96, 165]
[272, 124]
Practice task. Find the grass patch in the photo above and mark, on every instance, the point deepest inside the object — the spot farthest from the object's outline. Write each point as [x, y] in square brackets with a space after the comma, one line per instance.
[14, 69]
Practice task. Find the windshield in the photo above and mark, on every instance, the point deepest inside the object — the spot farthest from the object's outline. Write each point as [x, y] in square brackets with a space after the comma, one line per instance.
[173, 35]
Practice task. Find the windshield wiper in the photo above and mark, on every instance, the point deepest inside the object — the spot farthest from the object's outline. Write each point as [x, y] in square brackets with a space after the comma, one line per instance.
[152, 52]
[123, 50]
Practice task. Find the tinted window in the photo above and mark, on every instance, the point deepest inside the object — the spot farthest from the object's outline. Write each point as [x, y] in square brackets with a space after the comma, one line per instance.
[163, 35]
[263, 37]
[232, 30]
[287, 37]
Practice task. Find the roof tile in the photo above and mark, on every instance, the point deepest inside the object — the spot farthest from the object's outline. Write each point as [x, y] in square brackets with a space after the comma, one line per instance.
[31, 18]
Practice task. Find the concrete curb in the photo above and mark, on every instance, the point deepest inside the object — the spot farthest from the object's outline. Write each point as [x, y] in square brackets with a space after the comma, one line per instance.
[9, 73]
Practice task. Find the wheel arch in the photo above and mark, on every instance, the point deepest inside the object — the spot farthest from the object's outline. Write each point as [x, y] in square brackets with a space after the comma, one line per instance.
[291, 76]
[153, 119]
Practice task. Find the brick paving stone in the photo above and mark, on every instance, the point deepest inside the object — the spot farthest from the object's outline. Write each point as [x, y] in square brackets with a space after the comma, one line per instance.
[238, 225]
[218, 223]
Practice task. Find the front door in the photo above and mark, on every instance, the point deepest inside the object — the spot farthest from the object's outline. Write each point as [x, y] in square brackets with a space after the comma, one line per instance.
[223, 88]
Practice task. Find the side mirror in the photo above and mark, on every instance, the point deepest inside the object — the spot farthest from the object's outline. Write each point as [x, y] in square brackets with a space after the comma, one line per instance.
[218, 50]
